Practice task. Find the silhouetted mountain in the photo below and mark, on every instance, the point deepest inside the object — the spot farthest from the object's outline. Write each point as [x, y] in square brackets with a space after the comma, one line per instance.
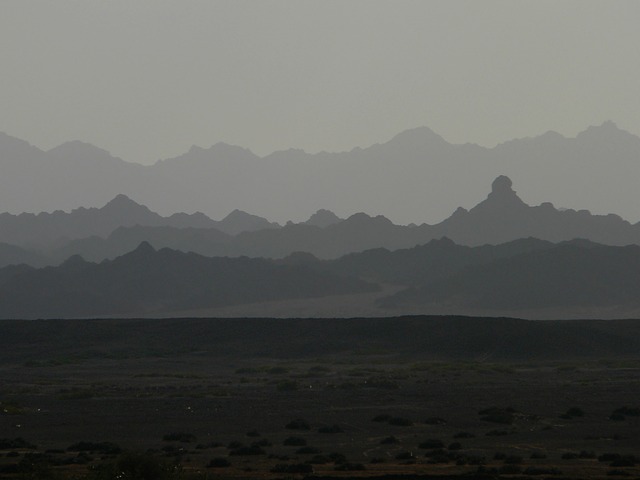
[239, 221]
[323, 218]
[417, 176]
[503, 216]
[13, 255]
[45, 230]
[567, 276]
[204, 241]
[146, 280]
[436, 260]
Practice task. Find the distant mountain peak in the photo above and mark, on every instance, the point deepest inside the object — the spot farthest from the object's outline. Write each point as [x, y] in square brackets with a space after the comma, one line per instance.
[418, 136]
[502, 186]
[323, 218]
[121, 201]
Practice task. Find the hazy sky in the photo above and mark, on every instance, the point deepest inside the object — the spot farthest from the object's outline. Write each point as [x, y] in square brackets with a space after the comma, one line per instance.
[146, 79]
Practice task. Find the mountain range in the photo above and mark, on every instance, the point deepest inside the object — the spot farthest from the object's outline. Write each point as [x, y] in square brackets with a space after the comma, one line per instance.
[122, 224]
[527, 278]
[417, 176]
[146, 281]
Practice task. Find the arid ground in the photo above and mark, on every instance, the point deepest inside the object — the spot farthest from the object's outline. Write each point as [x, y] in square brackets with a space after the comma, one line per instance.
[431, 397]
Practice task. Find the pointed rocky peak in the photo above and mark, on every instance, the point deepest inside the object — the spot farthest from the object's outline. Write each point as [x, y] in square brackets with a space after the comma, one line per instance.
[607, 132]
[74, 262]
[323, 218]
[144, 250]
[123, 203]
[418, 134]
[501, 187]
[239, 221]
[362, 219]
[502, 199]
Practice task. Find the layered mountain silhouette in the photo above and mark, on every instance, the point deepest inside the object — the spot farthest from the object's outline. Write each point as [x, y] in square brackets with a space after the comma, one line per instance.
[527, 278]
[119, 226]
[46, 230]
[501, 217]
[578, 277]
[148, 281]
[416, 176]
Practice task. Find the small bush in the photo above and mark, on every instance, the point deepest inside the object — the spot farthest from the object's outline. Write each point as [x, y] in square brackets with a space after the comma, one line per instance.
[350, 467]
[298, 424]
[400, 422]
[435, 421]
[464, 435]
[383, 417]
[431, 444]
[293, 468]
[294, 442]
[389, 440]
[331, 429]
[219, 462]
[454, 446]
[179, 437]
[307, 451]
[510, 470]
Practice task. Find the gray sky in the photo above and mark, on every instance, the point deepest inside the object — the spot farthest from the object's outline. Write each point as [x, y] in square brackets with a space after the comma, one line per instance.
[146, 79]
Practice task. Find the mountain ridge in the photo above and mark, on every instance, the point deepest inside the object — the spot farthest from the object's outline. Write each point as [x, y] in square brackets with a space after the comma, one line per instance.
[416, 176]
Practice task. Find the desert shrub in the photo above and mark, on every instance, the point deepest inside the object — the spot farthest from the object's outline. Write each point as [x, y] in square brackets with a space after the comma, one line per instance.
[574, 412]
[219, 462]
[277, 370]
[617, 417]
[261, 443]
[287, 386]
[298, 424]
[132, 466]
[628, 411]
[235, 445]
[250, 450]
[513, 459]
[318, 460]
[496, 433]
[293, 468]
[376, 460]
[498, 415]
[499, 456]
[538, 455]
[618, 473]
[431, 444]
[454, 446]
[569, 456]
[294, 442]
[510, 470]
[404, 455]
[106, 448]
[350, 467]
[307, 451]
[246, 370]
[533, 471]
[252, 433]
[624, 461]
[179, 437]
[331, 429]
[389, 440]
[435, 421]
[464, 435]
[609, 457]
[8, 443]
[400, 422]
[383, 417]
[382, 383]
[337, 457]
[587, 455]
